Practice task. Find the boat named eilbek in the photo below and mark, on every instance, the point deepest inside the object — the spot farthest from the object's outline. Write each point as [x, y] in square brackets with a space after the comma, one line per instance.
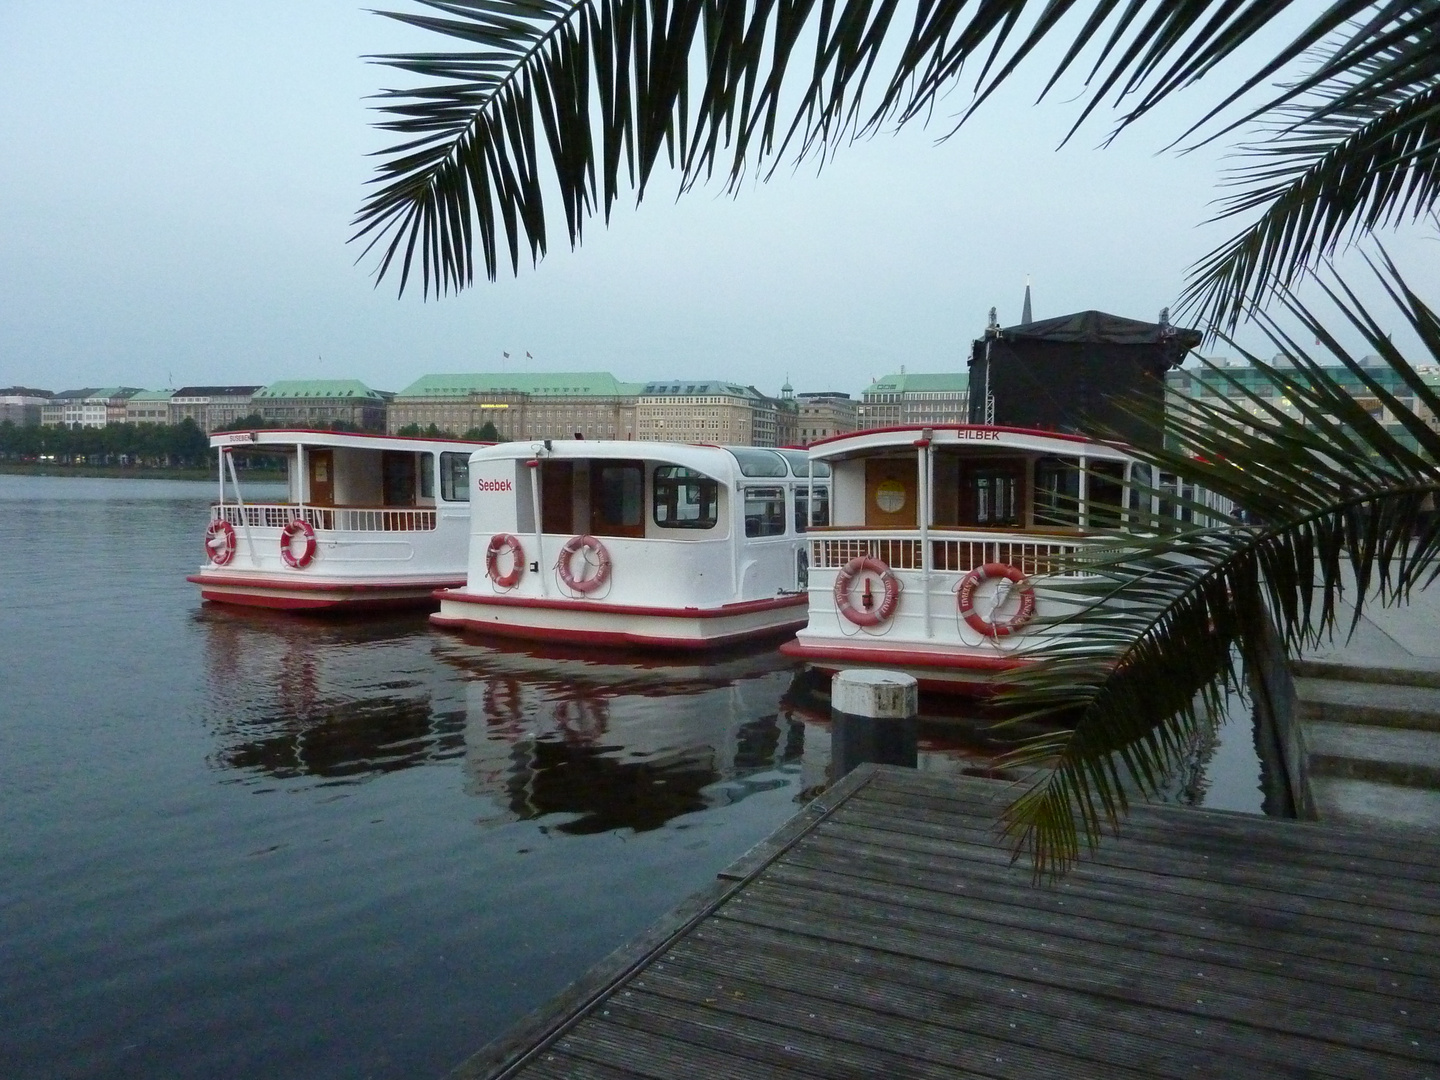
[935, 560]
[658, 545]
[368, 521]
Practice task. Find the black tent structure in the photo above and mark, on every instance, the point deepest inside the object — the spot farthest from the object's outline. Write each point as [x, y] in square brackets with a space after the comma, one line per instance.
[1072, 374]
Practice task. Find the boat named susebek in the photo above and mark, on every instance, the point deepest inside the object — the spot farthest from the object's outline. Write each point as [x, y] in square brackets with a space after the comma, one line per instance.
[941, 539]
[657, 545]
[368, 521]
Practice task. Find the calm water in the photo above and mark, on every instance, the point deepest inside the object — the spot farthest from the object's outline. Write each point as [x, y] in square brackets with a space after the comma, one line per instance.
[257, 845]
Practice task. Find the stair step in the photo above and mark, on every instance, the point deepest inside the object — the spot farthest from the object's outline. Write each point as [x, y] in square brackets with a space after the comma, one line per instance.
[1362, 752]
[1345, 801]
[1378, 704]
[1420, 675]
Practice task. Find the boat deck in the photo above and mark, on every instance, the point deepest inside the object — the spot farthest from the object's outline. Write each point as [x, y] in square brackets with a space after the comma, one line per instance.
[884, 931]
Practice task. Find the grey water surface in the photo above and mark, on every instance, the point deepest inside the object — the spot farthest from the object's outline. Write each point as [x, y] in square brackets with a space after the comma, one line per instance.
[245, 844]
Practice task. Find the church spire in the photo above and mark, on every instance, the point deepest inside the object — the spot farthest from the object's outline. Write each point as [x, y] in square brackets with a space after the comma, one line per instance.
[1025, 316]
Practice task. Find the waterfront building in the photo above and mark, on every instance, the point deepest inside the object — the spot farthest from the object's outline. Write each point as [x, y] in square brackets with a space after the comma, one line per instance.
[823, 413]
[212, 407]
[697, 411]
[322, 403]
[908, 400]
[1237, 379]
[88, 407]
[544, 405]
[148, 407]
[22, 405]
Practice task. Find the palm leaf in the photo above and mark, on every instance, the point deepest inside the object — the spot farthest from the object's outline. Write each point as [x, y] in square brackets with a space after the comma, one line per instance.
[1345, 504]
[608, 83]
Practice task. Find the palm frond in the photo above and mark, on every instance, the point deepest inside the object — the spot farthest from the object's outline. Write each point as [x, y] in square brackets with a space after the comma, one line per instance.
[1359, 153]
[1345, 503]
[608, 83]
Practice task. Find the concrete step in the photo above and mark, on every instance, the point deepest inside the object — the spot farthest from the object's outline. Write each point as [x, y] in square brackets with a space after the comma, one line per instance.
[1378, 704]
[1362, 752]
[1424, 672]
[1345, 801]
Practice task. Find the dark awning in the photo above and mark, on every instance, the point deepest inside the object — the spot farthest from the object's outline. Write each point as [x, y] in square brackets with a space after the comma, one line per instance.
[1098, 328]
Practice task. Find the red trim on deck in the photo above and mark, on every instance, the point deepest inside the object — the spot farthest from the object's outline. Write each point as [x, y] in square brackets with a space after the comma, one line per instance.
[603, 608]
[846, 654]
[612, 638]
[309, 584]
[961, 427]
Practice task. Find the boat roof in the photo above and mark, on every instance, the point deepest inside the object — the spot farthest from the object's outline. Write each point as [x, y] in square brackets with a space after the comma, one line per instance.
[359, 440]
[720, 462]
[977, 436]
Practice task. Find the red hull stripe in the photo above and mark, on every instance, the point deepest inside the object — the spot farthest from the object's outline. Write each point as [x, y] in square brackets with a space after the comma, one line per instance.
[602, 608]
[612, 639]
[908, 657]
[311, 585]
[314, 603]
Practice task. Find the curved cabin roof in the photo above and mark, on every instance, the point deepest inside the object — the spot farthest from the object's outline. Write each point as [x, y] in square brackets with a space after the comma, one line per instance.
[284, 438]
[968, 436]
[731, 464]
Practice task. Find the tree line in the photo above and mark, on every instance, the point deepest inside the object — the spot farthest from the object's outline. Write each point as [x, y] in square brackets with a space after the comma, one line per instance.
[157, 445]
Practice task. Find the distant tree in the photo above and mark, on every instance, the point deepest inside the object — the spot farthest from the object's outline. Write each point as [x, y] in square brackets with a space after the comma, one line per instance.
[486, 432]
[409, 431]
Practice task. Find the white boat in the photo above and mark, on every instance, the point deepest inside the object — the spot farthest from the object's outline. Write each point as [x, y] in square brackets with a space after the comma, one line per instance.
[935, 559]
[618, 544]
[368, 521]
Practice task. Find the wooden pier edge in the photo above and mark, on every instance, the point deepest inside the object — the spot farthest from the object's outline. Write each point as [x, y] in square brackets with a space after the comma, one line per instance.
[540, 1028]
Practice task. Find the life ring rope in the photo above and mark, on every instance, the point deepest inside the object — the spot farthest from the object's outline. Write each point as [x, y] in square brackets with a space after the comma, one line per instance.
[500, 544]
[301, 528]
[583, 545]
[870, 614]
[994, 627]
[220, 542]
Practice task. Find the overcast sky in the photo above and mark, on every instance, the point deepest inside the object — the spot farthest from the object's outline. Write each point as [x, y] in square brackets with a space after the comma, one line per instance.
[177, 182]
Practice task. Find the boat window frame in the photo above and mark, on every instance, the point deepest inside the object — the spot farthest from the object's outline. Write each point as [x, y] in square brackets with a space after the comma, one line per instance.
[773, 495]
[702, 482]
[758, 462]
[801, 495]
[458, 492]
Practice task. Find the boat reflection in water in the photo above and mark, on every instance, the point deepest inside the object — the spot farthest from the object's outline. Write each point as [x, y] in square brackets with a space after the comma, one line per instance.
[622, 741]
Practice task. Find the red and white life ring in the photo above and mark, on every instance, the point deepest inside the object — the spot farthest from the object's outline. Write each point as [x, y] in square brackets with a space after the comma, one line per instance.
[995, 627]
[220, 541]
[868, 614]
[297, 528]
[500, 544]
[584, 545]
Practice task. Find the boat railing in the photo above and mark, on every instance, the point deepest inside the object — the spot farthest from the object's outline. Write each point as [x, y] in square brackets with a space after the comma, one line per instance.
[327, 518]
[902, 551]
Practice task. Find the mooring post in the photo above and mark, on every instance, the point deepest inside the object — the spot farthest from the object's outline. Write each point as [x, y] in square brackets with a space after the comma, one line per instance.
[874, 716]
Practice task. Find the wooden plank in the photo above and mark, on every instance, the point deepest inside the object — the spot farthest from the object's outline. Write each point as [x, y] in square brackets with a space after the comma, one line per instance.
[985, 1002]
[1301, 1013]
[1136, 925]
[1200, 907]
[664, 1056]
[1409, 852]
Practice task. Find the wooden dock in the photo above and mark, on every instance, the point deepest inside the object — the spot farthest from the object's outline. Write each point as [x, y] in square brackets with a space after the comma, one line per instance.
[884, 933]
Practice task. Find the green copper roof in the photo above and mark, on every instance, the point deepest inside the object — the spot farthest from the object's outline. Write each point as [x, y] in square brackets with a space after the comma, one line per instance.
[536, 384]
[948, 382]
[318, 388]
[689, 387]
[152, 395]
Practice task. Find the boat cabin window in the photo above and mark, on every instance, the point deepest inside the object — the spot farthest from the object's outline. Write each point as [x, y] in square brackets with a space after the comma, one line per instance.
[756, 462]
[801, 466]
[685, 499]
[617, 498]
[764, 511]
[1104, 494]
[455, 477]
[802, 508]
[1140, 494]
[1057, 492]
[427, 476]
[990, 494]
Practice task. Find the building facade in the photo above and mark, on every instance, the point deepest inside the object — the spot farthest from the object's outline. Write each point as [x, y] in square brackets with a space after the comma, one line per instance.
[546, 405]
[22, 406]
[721, 413]
[321, 403]
[212, 407]
[906, 400]
[1238, 380]
[824, 413]
[90, 407]
[148, 407]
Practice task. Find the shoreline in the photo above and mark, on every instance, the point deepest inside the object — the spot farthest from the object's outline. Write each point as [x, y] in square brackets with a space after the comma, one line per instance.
[130, 472]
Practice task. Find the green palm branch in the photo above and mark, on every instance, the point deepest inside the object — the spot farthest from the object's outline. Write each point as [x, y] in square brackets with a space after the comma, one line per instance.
[1360, 150]
[1166, 619]
[579, 98]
